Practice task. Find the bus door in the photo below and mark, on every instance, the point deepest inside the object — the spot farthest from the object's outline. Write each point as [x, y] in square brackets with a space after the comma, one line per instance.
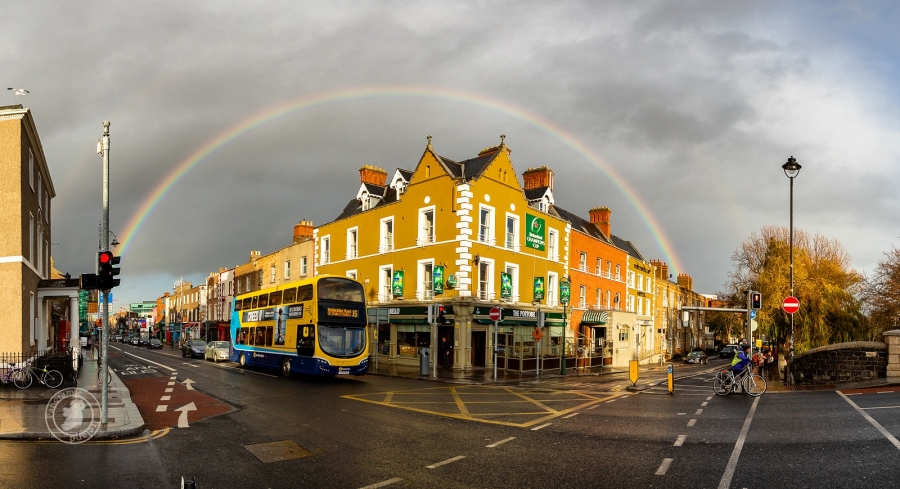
[306, 340]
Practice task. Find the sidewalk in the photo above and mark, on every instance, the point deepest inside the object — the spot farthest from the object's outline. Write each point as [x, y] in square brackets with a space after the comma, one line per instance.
[22, 412]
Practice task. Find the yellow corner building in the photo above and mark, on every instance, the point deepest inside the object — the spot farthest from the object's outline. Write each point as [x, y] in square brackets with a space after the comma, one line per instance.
[464, 235]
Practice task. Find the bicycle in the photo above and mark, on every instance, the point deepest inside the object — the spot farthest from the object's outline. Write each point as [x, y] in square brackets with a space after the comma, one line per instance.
[13, 374]
[727, 382]
[51, 378]
[100, 369]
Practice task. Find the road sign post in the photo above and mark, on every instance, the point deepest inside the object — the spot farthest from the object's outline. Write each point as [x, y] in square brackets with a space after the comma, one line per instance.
[495, 317]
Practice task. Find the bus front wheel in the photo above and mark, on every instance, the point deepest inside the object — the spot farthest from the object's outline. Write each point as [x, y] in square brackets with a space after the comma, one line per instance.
[286, 367]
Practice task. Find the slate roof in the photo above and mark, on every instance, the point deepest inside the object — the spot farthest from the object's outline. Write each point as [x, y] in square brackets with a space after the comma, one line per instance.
[474, 167]
[580, 224]
[535, 193]
[628, 247]
[375, 189]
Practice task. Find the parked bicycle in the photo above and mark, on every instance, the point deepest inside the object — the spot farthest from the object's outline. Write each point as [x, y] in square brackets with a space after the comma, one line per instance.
[14, 373]
[100, 370]
[727, 382]
[51, 378]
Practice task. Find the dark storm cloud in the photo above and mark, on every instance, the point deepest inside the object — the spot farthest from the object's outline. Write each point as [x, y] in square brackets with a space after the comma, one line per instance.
[695, 104]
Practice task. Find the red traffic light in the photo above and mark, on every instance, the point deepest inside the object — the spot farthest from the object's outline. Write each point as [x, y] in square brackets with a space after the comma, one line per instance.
[105, 257]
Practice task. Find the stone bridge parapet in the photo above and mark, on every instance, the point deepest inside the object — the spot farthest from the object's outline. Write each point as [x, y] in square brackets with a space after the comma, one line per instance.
[854, 361]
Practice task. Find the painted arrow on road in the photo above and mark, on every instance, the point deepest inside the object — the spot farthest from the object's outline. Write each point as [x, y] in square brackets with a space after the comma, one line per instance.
[182, 418]
[187, 383]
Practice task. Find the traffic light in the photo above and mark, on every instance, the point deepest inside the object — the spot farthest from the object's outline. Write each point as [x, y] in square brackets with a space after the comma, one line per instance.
[106, 270]
[440, 314]
[87, 281]
[431, 313]
[755, 300]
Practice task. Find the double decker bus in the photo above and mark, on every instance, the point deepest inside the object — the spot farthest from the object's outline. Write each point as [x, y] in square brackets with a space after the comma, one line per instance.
[315, 326]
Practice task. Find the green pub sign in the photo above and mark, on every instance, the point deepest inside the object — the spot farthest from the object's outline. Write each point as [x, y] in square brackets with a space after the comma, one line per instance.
[505, 285]
[397, 283]
[535, 232]
[538, 288]
[564, 292]
[437, 279]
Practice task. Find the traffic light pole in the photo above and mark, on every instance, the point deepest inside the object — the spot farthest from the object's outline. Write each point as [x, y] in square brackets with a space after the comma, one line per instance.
[103, 149]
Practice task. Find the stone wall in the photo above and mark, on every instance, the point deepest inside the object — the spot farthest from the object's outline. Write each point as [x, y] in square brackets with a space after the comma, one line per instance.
[844, 362]
[892, 338]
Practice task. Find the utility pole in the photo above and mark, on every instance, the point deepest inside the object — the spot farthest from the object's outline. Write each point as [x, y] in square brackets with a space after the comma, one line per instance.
[103, 149]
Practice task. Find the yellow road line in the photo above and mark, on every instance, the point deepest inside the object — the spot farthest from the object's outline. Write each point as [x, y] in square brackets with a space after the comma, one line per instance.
[462, 406]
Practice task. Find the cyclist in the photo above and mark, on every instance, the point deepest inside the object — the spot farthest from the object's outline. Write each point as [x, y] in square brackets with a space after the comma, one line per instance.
[741, 359]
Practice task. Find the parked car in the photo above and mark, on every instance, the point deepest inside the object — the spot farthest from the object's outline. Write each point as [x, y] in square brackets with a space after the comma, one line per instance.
[727, 351]
[217, 350]
[135, 341]
[142, 341]
[698, 357]
[116, 338]
[193, 348]
[154, 343]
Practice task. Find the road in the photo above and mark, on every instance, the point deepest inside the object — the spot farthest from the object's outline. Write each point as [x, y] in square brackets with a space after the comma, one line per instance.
[246, 428]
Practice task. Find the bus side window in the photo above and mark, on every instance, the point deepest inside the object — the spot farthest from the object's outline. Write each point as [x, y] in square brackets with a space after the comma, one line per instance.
[304, 293]
[251, 336]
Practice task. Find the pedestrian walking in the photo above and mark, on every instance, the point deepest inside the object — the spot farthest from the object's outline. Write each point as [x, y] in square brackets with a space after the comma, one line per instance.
[446, 350]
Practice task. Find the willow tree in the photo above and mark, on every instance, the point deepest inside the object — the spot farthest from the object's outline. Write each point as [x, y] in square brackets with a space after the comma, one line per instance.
[828, 287]
[883, 295]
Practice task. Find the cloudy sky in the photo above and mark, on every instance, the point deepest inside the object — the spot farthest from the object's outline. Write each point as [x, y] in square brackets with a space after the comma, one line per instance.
[232, 121]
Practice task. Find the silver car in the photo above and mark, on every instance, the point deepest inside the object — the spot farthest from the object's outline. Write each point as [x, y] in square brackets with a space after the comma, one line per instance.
[217, 350]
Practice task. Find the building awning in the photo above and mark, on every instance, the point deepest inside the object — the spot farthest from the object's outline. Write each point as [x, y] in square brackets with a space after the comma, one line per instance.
[594, 316]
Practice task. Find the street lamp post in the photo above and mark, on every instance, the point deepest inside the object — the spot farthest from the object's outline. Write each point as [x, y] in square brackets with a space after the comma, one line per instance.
[791, 170]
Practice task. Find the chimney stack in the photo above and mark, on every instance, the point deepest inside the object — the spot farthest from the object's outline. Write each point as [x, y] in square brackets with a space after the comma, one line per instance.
[538, 178]
[600, 217]
[685, 281]
[373, 174]
[303, 231]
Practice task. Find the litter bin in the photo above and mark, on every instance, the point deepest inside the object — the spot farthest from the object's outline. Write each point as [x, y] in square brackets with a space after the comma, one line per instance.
[424, 365]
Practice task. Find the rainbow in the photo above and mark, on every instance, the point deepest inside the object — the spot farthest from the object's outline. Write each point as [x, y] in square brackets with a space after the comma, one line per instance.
[320, 99]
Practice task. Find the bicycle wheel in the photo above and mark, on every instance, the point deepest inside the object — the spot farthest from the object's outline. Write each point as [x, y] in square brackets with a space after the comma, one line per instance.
[754, 385]
[720, 384]
[53, 379]
[22, 379]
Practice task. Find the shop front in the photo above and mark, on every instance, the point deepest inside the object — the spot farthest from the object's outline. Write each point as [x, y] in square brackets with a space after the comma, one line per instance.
[400, 334]
[521, 344]
[597, 347]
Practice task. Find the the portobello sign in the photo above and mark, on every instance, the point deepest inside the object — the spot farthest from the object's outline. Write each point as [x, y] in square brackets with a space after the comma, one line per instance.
[535, 232]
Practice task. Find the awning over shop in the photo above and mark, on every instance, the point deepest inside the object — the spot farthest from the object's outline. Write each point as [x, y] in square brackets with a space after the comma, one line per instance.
[594, 316]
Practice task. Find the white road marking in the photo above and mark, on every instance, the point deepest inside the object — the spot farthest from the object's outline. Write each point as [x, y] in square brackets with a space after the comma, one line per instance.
[171, 383]
[874, 423]
[664, 466]
[541, 426]
[161, 408]
[182, 418]
[611, 400]
[699, 412]
[146, 360]
[445, 462]
[725, 483]
[853, 394]
[881, 407]
[704, 404]
[885, 392]
[595, 405]
[492, 445]
[187, 383]
[681, 414]
[168, 390]
[382, 484]
[709, 398]
[569, 416]
[692, 422]
[165, 398]
[680, 440]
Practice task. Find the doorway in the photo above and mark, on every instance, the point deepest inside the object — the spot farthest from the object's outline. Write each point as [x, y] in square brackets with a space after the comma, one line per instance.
[478, 348]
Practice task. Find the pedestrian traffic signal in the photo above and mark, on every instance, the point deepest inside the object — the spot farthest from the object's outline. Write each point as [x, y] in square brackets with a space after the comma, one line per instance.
[87, 281]
[107, 270]
[440, 314]
[755, 300]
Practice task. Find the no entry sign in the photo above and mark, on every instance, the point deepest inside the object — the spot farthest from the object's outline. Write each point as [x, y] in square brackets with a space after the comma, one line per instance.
[790, 305]
[495, 314]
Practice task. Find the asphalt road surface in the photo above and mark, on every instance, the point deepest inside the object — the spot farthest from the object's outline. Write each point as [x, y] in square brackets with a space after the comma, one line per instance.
[230, 427]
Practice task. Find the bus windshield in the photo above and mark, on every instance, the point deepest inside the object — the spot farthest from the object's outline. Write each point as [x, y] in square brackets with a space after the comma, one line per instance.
[342, 341]
[340, 289]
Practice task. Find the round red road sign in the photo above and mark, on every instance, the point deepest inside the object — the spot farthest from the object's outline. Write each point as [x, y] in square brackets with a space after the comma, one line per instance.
[495, 314]
[790, 305]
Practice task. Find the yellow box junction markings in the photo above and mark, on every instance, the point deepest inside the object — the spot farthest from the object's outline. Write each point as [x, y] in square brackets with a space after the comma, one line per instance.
[480, 403]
